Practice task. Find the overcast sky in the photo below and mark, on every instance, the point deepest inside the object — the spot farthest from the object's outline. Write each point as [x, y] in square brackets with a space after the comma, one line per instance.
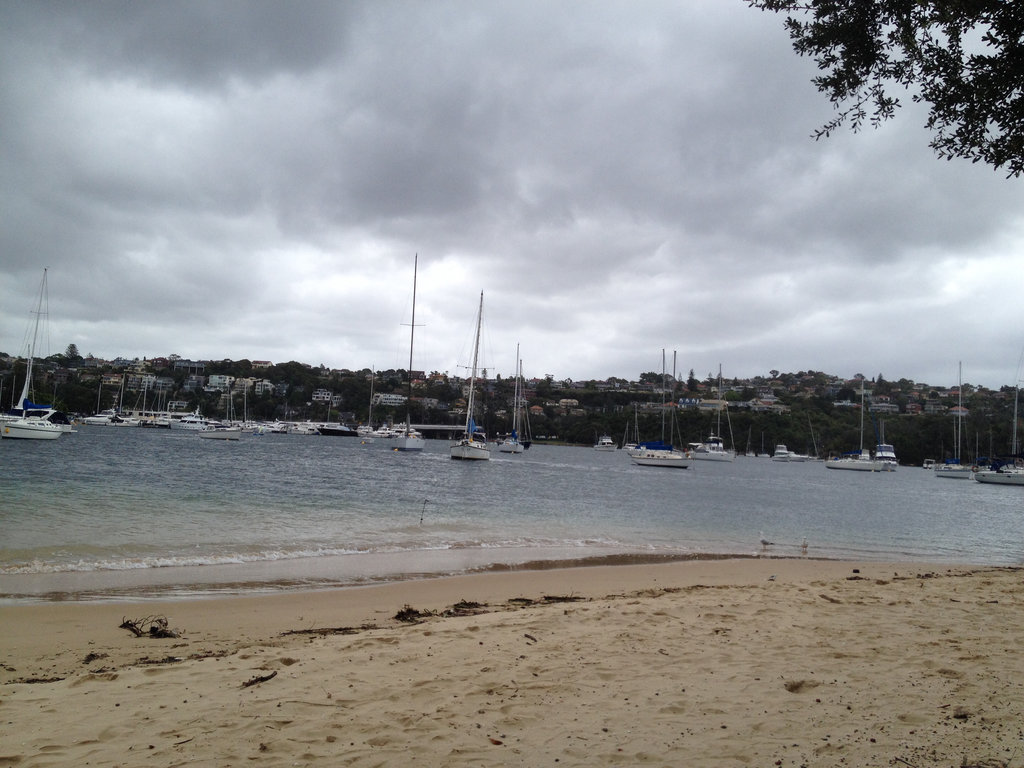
[250, 179]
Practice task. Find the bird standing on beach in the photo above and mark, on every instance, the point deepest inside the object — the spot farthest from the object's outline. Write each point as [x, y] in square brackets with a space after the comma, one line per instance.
[764, 542]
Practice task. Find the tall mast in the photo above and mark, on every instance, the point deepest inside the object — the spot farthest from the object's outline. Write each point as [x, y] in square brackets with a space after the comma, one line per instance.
[862, 417]
[515, 396]
[32, 348]
[664, 386]
[412, 335]
[718, 428]
[472, 376]
[960, 406]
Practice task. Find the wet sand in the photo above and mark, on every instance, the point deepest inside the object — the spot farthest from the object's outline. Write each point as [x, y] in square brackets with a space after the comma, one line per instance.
[732, 662]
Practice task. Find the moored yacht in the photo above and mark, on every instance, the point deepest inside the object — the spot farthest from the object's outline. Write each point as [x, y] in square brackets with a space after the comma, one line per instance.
[712, 449]
[885, 454]
[659, 454]
[472, 446]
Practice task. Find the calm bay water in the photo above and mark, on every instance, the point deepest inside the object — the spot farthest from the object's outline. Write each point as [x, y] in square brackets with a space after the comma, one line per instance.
[116, 513]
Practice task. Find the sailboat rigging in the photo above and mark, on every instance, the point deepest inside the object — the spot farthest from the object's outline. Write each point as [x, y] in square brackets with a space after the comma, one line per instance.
[860, 459]
[952, 469]
[714, 448]
[658, 453]
[27, 420]
[472, 446]
[512, 443]
[409, 439]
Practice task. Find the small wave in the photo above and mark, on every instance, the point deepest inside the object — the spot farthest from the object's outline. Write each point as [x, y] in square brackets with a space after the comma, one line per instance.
[135, 562]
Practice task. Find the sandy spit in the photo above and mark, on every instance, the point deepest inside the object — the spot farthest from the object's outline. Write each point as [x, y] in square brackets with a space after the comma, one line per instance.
[728, 663]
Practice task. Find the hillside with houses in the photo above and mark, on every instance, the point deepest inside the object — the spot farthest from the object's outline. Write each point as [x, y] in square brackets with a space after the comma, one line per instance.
[811, 411]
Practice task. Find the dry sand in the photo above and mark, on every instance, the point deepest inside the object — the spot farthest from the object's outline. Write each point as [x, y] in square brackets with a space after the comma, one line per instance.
[745, 663]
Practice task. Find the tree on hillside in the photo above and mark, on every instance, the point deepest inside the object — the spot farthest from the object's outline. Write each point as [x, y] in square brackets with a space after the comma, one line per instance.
[960, 58]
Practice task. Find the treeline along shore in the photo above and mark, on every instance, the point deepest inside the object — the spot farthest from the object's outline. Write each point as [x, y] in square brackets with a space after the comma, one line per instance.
[809, 411]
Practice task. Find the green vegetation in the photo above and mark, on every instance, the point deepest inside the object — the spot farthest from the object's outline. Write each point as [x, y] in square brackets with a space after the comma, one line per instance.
[961, 59]
[797, 409]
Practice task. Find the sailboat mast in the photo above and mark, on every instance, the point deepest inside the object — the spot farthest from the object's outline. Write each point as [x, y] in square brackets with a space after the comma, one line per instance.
[664, 386]
[718, 428]
[862, 417]
[412, 336]
[515, 396]
[472, 376]
[960, 404]
[32, 349]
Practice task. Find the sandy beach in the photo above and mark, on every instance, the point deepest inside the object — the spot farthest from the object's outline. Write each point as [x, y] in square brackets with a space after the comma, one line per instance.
[753, 662]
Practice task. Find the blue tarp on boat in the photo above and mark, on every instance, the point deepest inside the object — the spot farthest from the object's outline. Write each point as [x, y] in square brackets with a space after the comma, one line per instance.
[655, 445]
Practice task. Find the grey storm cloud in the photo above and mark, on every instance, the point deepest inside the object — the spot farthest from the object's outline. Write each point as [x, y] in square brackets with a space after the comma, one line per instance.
[252, 179]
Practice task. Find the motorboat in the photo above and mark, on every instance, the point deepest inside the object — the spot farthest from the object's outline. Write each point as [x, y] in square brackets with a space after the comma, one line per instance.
[712, 449]
[605, 443]
[886, 455]
[193, 421]
[221, 432]
[336, 430]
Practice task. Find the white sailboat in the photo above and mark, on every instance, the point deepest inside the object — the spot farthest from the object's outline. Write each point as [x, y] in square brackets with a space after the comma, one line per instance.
[713, 449]
[366, 431]
[1009, 471]
[408, 439]
[658, 453]
[511, 443]
[472, 446]
[859, 460]
[27, 420]
[952, 469]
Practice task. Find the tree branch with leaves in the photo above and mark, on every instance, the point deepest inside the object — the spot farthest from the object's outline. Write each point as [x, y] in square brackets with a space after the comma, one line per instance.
[963, 58]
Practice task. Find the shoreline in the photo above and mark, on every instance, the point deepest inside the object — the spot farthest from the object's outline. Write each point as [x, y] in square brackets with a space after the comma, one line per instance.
[265, 578]
[28, 626]
[758, 660]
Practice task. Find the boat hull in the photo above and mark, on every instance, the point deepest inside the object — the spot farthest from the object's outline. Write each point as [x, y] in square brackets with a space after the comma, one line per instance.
[668, 459]
[31, 429]
[221, 434]
[703, 455]
[470, 450]
[410, 443]
[994, 477]
[857, 465]
[953, 472]
[510, 447]
[337, 430]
